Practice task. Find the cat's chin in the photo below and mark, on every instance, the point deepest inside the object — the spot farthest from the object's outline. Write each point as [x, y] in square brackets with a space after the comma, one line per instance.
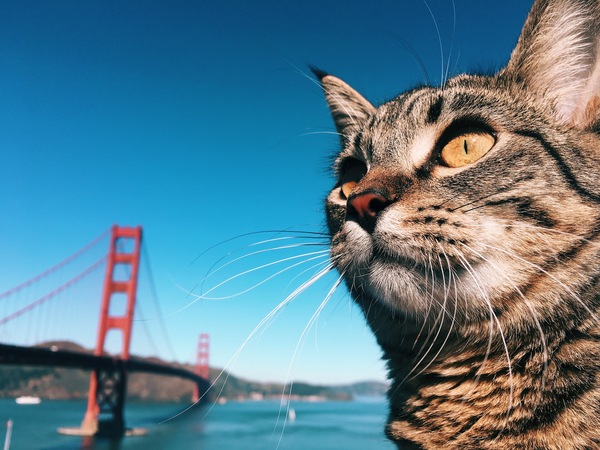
[392, 278]
[401, 285]
[415, 289]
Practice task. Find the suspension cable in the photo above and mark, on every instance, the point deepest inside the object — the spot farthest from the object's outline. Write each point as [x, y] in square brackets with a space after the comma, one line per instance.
[138, 306]
[56, 291]
[156, 303]
[54, 268]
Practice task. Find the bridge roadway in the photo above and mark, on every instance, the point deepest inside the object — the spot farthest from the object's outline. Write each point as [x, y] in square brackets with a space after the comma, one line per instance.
[35, 356]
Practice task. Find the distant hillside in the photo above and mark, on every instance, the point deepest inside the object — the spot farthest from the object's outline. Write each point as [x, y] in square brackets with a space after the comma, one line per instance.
[60, 383]
[364, 389]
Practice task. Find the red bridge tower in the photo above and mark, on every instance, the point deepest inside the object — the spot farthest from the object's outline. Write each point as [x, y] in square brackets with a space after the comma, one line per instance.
[201, 368]
[104, 413]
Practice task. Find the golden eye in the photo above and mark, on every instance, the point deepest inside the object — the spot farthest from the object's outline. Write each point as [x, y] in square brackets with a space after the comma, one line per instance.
[351, 175]
[466, 148]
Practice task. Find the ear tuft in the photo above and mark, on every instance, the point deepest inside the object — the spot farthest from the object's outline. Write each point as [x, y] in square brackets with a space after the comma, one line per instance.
[320, 74]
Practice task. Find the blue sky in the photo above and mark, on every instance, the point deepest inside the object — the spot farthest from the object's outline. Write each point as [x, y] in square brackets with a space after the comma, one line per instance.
[200, 122]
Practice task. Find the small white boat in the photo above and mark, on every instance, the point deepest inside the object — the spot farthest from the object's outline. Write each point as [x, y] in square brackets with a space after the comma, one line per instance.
[292, 415]
[28, 400]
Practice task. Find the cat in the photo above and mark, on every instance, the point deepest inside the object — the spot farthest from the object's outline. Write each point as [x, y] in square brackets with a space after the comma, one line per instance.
[465, 223]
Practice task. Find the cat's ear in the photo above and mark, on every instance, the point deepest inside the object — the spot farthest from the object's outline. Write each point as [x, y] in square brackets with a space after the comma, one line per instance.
[348, 108]
[558, 58]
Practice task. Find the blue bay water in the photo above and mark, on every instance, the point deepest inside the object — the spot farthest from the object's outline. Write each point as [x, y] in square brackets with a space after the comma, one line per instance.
[234, 425]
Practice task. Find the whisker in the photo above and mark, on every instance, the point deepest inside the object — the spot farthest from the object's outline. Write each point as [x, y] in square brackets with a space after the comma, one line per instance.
[313, 255]
[446, 292]
[309, 269]
[439, 36]
[439, 321]
[529, 306]
[545, 272]
[519, 224]
[253, 233]
[214, 269]
[264, 242]
[454, 69]
[493, 318]
[429, 304]
[445, 79]
[498, 191]
[439, 205]
[299, 347]
[326, 265]
[433, 340]
[319, 254]
[311, 133]
[406, 46]
[265, 320]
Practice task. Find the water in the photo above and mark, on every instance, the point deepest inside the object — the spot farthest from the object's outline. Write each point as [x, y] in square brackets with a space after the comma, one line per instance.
[248, 426]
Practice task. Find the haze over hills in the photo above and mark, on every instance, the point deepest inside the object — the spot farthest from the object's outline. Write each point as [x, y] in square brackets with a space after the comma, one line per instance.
[61, 383]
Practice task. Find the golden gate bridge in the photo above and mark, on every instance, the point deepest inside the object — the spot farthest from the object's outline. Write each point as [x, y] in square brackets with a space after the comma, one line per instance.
[104, 415]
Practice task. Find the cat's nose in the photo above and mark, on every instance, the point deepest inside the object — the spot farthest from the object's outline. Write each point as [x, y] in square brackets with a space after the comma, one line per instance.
[364, 207]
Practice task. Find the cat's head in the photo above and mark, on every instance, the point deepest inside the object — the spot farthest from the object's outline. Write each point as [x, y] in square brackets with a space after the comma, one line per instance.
[460, 202]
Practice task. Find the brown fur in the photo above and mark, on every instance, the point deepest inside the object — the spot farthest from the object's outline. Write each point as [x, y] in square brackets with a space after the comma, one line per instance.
[481, 282]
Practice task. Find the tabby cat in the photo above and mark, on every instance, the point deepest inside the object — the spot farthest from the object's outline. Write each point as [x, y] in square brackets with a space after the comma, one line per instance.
[465, 222]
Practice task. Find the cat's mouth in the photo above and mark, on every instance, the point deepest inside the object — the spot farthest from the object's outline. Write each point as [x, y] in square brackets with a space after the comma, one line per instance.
[435, 270]
[407, 278]
[408, 270]
[363, 250]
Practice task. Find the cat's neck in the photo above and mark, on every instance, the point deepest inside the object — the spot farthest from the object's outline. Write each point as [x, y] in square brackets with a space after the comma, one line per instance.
[451, 390]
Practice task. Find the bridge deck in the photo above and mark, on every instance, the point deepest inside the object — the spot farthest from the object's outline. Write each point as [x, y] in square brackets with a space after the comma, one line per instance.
[35, 356]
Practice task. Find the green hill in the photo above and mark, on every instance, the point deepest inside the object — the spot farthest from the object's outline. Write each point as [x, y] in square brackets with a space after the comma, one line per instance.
[61, 383]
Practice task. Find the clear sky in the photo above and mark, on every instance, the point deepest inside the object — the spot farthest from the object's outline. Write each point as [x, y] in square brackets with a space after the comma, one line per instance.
[201, 122]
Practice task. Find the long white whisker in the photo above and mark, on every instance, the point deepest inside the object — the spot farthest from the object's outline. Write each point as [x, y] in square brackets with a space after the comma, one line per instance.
[264, 321]
[319, 254]
[526, 302]
[340, 100]
[308, 269]
[429, 306]
[437, 29]
[438, 320]
[493, 316]
[213, 270]
[305, 234]
[311, 133]
[300, 345]
[560, 283]
[323, 264]
[415, 55]
[445, 78]
[446, 294]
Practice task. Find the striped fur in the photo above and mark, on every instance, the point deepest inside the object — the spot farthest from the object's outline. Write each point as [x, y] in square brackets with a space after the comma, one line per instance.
[480, 282]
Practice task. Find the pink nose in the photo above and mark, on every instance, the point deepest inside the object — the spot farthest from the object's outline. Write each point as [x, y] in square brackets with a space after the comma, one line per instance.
[366, 206]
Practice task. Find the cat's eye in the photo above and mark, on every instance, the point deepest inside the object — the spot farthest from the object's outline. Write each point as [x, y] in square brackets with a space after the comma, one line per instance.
[352, 173]
[467, 147]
